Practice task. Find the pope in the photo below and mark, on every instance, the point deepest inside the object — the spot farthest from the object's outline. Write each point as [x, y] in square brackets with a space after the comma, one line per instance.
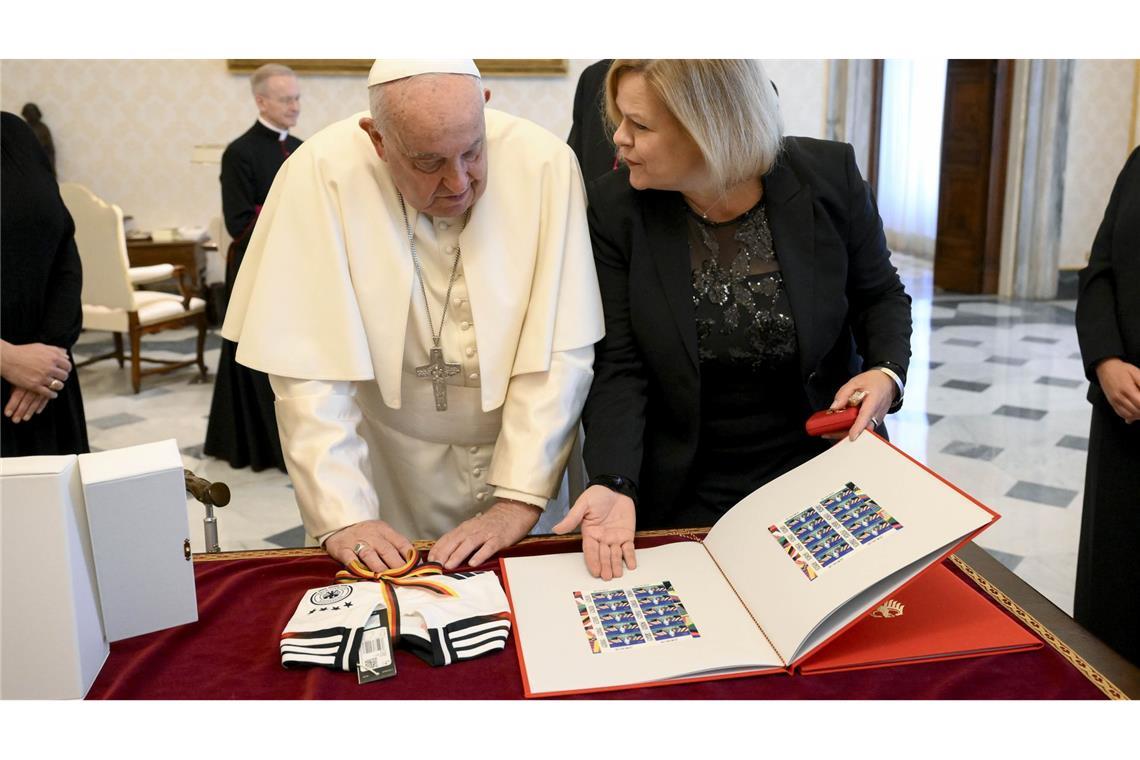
[420, 289]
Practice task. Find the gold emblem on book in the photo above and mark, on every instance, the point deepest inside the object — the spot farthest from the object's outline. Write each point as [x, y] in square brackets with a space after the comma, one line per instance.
[888, 609]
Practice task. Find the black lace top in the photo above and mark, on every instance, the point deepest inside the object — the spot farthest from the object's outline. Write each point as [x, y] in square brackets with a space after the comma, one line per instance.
[743, 316]
[753, 404]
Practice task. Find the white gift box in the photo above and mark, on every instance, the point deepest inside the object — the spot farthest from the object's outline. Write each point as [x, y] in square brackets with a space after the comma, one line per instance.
[51, 638]
[140, 536]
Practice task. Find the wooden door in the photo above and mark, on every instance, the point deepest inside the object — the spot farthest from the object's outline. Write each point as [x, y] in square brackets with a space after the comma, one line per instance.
[971, 192]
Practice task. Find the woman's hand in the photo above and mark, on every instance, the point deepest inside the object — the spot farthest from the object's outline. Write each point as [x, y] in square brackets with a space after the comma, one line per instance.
[873, 392]
[1120, 382]
[609, 521]
[36, 367]
[23, 403]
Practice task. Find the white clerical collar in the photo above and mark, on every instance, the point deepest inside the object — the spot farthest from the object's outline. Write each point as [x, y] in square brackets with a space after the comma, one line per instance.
[281, 133]
[446, 221]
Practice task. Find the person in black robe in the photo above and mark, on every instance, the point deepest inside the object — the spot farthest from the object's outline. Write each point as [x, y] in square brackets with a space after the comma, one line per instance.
[242, 428]
[31, 113]
[589, 138]
[1107, 601]
[41, 312]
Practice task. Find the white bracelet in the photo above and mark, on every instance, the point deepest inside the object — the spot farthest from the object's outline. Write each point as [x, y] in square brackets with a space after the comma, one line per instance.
[898, 382]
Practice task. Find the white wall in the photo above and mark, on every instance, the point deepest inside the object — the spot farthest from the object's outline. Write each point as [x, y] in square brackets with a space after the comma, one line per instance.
[126, 128]
[1100, 139]
[1136, 104]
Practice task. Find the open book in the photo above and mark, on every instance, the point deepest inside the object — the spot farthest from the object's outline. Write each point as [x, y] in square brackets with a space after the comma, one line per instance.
[781, 574]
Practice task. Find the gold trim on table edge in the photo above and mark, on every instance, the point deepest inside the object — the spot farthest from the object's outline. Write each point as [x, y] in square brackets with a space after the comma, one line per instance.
[692, 534]
[258, 554]
[1111, 690]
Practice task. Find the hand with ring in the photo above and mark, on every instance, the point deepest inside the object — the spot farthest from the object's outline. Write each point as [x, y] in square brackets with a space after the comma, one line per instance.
[373, 542]
[873, 392]
[35, 367]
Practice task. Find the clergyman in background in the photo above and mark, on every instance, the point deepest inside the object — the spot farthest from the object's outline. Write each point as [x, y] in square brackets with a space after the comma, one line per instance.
[589, 136]
[242, 428]
[32, 115]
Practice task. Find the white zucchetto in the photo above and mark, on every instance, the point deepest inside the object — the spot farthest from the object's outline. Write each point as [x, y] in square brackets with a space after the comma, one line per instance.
[389, 70]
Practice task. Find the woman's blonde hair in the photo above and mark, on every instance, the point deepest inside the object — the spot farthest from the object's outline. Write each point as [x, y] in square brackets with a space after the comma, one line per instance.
[728, 106]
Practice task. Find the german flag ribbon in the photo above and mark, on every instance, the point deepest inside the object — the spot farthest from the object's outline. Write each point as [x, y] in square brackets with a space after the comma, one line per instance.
[411, 574]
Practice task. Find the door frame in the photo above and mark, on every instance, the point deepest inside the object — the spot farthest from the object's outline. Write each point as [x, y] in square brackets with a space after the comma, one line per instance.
[999, 160]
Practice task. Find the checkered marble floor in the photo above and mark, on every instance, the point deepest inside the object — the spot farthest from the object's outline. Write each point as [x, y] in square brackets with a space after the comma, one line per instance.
[994, 402]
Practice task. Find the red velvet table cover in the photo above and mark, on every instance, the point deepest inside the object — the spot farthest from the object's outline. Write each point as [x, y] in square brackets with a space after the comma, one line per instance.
[244, 603]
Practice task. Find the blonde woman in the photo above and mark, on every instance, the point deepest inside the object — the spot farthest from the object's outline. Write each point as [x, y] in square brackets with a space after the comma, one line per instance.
[746, 283]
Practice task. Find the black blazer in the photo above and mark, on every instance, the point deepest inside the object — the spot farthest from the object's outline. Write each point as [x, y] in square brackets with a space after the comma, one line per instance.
[1108, 306]
[850, 309]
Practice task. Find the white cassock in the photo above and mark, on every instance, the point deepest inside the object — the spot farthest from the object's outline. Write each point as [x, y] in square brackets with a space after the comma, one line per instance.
[328, 304]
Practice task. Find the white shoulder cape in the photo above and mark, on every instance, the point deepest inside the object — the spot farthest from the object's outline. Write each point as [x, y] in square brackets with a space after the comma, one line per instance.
[326, 282]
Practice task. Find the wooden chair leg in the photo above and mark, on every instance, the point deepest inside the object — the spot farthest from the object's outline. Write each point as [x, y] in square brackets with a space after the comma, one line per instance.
[118, 348]
[136, 359]
[202, 344]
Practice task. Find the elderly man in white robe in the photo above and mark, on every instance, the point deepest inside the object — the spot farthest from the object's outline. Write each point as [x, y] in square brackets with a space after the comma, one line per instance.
[421, 290]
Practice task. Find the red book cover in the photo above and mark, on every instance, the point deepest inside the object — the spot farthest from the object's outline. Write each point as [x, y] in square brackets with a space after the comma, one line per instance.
[773, 586]
[936, 617]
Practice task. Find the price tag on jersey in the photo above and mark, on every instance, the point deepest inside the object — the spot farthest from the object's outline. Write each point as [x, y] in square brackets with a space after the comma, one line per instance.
[375, 661]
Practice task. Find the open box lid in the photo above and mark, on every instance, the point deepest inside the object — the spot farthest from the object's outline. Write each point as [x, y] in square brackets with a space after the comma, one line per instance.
[136, 511]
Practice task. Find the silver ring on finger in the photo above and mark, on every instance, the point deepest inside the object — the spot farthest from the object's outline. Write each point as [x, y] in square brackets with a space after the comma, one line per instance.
[358, 547]
[875, 421]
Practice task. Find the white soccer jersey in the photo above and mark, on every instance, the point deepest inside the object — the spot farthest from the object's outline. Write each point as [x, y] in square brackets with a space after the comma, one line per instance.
[442, 629]
[327, 627]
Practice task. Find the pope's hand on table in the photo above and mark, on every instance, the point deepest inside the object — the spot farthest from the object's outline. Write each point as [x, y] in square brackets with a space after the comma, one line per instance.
[878, 393]
[609, 521]
[383, 546]
[503, 525]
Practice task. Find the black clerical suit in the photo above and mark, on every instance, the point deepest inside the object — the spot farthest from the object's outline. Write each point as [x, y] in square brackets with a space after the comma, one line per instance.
[242, 427]
[643, 415]
[42, 280]
[1107, 600]
[589, 138]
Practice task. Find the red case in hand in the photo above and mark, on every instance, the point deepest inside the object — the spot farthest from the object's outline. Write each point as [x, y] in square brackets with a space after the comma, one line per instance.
[828, 421]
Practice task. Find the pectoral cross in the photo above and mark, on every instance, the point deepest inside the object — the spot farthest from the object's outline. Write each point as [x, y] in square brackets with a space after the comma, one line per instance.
[437, 370]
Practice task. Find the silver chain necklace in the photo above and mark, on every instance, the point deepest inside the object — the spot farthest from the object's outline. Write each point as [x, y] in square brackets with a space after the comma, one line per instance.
[437, 370]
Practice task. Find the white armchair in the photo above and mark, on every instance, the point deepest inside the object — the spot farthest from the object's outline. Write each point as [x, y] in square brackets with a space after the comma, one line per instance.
[110, 301]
